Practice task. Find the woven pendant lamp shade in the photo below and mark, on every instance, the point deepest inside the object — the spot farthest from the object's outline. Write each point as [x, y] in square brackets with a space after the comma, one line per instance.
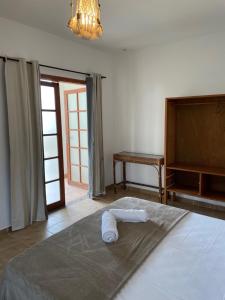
[85, 20]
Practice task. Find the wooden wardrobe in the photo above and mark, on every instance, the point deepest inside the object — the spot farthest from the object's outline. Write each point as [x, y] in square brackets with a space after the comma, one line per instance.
[195, 147]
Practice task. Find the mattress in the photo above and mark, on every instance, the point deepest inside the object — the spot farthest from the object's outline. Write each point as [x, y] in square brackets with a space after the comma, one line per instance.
[189, 264]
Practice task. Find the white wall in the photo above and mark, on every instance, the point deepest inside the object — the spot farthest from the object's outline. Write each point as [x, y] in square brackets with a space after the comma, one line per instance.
[144, 78]
[22, 41]
[136, 85]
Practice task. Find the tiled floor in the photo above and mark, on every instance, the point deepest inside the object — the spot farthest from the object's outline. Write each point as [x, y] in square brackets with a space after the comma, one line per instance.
[13, 243]
[74, 193]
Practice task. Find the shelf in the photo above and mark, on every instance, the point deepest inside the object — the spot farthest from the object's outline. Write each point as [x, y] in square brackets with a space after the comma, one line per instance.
[197, 169]
[183, 190]
[214, 196]
[211, 195]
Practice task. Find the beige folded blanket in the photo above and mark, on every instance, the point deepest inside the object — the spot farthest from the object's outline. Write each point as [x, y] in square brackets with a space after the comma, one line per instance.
[76, 264]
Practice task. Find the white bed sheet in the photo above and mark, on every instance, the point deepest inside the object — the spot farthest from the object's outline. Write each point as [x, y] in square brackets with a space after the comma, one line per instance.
[189, 264]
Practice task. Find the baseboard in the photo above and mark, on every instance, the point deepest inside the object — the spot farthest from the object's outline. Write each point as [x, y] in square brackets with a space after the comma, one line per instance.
[5, 230]
[133, 189]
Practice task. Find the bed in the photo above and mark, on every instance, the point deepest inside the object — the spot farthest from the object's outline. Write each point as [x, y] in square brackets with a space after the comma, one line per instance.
[189, 264]
[186, 262]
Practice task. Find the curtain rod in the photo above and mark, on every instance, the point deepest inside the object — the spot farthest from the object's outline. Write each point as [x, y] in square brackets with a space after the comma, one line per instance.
[51, 67]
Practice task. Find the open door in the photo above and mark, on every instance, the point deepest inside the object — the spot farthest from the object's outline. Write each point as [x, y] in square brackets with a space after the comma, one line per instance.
[77, 136]
[52, 141]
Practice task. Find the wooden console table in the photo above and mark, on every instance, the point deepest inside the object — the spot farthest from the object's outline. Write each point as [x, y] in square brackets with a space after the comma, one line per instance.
[156, 161]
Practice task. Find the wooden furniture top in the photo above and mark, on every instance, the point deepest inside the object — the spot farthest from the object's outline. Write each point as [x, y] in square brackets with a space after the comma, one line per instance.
[197, 169]
[139, 158]
[199, 97]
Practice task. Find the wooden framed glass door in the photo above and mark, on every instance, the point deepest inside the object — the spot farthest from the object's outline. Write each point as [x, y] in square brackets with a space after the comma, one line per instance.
[77, 136]
[52, 142]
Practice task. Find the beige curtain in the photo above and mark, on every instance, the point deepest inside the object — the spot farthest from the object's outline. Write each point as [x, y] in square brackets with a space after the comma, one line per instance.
[4, 154]
[28, 203]
[95, 136]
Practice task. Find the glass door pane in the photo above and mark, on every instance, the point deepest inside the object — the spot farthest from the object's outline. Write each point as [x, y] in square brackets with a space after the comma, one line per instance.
[51, 169]
[83, 139]
[50, 146]
[52, 192]
[73, 120]
[84, 175]
[47, 97]
[83, 101]
[52, 142]
[83, 120]
[74, 139]
[49, 122]
[72, 102]
[74, 156]
[84, 157]
[75, 173]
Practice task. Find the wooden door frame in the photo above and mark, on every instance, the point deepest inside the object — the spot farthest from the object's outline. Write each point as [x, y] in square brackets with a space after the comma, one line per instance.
[62, 79]
[66, 93]
[57, 79]
[61, 202]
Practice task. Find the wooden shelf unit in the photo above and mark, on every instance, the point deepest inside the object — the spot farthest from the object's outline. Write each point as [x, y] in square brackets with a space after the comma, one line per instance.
[197, 169]
[195, 147]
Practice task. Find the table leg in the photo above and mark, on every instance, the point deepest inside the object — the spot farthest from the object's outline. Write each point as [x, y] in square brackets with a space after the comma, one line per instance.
[166, 196]
[124, 175]
[160, 183]
[173, 196]
[114, 176]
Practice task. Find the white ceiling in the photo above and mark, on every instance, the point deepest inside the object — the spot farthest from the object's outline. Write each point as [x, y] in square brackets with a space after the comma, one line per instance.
[127, 24]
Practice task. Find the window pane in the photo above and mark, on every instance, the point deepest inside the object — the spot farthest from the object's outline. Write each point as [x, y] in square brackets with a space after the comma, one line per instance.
[50, 146]
[84, 157]
[82, 101]
[74, 142]
[73, 122]
[83, 139]
[51, 169]
[72, 101]
[75, 174]
[52, 192]
[47, 97]
[49, 122]
[84, 175]
[74, 156]
[83, 120]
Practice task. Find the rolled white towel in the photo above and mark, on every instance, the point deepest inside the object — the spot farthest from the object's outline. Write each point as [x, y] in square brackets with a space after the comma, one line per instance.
[130, 215]
[109, 228]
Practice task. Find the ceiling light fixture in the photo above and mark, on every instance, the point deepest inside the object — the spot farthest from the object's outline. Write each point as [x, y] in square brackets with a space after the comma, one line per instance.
[85, 20]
